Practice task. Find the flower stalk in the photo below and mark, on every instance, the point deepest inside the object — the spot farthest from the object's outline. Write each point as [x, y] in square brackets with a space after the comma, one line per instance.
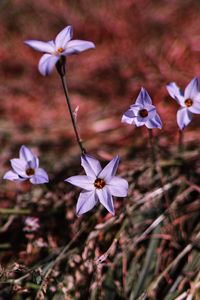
[180, 141]
[153, 149]
[61, 71]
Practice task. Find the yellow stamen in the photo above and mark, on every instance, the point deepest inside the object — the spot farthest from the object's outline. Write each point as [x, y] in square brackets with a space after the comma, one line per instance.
[99, 183]
[60, 50]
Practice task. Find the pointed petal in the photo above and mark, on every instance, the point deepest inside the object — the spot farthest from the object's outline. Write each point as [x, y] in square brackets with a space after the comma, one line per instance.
[26, 154]
[106, 199]
[77, 46]
[91, 165]
[41, 46]
[129, 115]
[86, 201]
[132, 112]
[110, 170]
[82, 181]
[33, 164]
[47, 63]
[143, 98]
[19, 166]
[64, 37]
[192, 89]
[10, 175]
[154, 122]
[175, 92]
[118, 187]
[39, 177]
[195, 108]
[184, 117]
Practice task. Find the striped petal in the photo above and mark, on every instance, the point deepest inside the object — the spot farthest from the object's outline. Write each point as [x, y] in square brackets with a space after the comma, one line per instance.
[47, 63]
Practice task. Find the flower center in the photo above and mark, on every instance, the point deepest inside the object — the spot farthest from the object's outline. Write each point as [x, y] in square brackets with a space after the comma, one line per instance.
[30, 171]
[60, 50]
[143, 113]
[188, 102]
[99, 183]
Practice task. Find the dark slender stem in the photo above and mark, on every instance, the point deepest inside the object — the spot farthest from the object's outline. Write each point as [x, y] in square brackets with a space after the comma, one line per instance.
[153, 149]
[180, 141]
[61, 71]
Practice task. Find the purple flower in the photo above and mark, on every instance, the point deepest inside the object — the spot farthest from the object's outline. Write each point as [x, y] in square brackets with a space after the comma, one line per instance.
[142, 112]
[189, 101]
[26, 167]
[61, 46]
[98, 184]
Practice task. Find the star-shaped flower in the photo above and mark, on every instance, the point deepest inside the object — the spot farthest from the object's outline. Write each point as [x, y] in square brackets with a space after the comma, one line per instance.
[142, 112]
[98, 184]
[61, 46]
[26, 167]
[189, 100]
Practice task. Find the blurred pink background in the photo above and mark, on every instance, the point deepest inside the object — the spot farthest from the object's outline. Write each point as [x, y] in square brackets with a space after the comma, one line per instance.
[138, 43]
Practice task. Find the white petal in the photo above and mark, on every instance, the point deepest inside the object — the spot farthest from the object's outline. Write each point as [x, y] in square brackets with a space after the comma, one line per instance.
[132, 112]
[192, 89]
[175, 92]
[64, 37]
[41, 46]
[82, 181]
[139, 121]
[19, 166]
[106, 199]
[118, 187]
[127, 120]
[32, 164]
[129, 116]
[154, 122]
[143, 98]
[26, 154]
[184, 117]
[39, 177]
[91, 165]
[86, 201]
[110, 170]
[195, 108]
[47, 63]
[77, 46]
[10, 175]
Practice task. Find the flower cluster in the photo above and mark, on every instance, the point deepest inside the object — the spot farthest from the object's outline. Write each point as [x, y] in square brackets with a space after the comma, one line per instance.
[99, 184]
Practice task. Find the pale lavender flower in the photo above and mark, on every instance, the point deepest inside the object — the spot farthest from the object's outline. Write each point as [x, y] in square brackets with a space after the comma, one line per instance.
[189, 100]
[54, 49]
[26, 167]
[99, 185]
[31, 224]
[142, 112]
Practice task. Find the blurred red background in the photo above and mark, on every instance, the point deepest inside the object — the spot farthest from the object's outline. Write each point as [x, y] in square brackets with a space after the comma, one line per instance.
[138, 43]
